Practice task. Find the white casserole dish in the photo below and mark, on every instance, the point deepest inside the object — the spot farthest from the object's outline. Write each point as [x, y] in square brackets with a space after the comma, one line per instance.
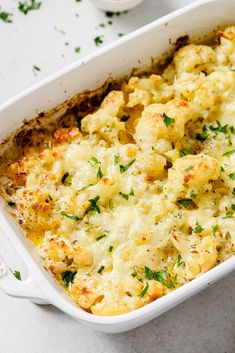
[135, 50]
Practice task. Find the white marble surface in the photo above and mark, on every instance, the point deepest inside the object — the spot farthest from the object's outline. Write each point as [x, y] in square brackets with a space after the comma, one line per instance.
[203, 324]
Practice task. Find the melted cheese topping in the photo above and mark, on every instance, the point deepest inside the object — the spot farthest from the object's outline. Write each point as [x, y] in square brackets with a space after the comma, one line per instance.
[141, 199]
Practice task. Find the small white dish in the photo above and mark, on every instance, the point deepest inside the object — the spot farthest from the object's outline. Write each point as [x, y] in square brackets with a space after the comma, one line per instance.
[116, 5]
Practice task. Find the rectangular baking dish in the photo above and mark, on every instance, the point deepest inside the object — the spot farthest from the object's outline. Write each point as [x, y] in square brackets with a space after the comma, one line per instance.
[116, 60]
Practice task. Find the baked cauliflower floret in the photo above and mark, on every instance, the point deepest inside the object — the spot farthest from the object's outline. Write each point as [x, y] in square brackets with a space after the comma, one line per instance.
[191, 173]
[104, 121]
[193, 58]
[163, 122]
[225, 51]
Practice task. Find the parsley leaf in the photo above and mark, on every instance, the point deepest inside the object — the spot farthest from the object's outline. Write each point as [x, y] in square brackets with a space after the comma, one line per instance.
[185, 202]
[101, 269]
[124, 168]
[232, 176]
[116, 158]
[144, 291]
[214, 229]
[98, 40]
[68, 277]
[94, 207]
[99, 174]
[126, 196]
[202, 136]
[17, 275]
[179, 261]
[184, 153]
[110, 248]
[101, 237]
[36, 69]
[93, 161]
[27, 6]
[71, 216]
[193, 195]
[198, 228]
[5, 16]
[228, 153]
[167, 120]
[233, 206]
[77, 49]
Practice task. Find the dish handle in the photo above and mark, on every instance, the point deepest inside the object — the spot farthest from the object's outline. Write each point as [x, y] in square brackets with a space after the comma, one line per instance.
[19, 288]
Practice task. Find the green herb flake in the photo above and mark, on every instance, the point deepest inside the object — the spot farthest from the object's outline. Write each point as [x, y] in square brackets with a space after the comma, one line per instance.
[17, 275]
[99, 174]
[77, 49]
[36, 69]
[228, 153]
[215, 229]
[202, 136]
[198, 228]
[101, 237]
[68, 277]
[167, 120]
[228, 215]
[65, 179]
[222, 168]
[233, 206]
[171, 284]
[94, 207]
[101, 269]
[116, 158]
[233, 192]
[110, 248]
[126, 196]
[144, 291]
[5, 16]
[185, 202]
[179, 261]
[232, 176]
[124, 168]
[27, 6]
[193, 195]
[98, 40]
[70, 216]
[93, 161]
[134, 274]
[184, 153]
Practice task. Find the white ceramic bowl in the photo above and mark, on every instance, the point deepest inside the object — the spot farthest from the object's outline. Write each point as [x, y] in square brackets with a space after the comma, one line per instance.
[116, 5]
[135, 50]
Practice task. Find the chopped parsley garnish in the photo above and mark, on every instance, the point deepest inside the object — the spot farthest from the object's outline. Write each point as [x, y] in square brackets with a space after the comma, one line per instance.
[68, 277]
[124, 168]
[126, 196]
[228, 153]
[160, 276]
[184, 153]
[233, 206]
[17, 275]
[144, 291]
[232, 176]
[198, 228]
[93, 161]
[5, 16]
[124, 118]
[134, 274]
[167, 120]
[185, 202]
[98, 40]
[233, 192]
[228, 215]
[193, 195]
[65, 179]
[222, 168]
[36, 69]
[94, 207]
[101, 269]
[71, 216]
[99, 174]
[11, 203]
[202, 136]
[120, 34]
[214, 229]
[77, 49]
[219, 128]
[116, 158]
[101, 237]
[27, 6]
[179, 261]
[85, 187]
[110, 248]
